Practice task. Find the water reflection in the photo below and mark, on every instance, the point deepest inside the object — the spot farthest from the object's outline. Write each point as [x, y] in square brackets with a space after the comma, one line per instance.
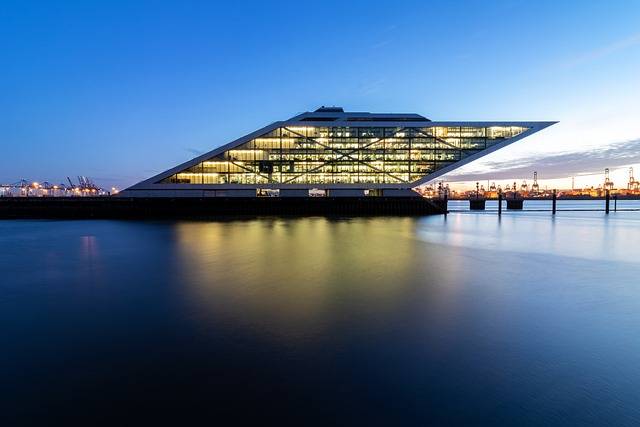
[589, 235]
[297, 277]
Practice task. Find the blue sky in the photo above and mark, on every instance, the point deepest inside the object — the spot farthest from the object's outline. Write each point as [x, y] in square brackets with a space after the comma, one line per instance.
[119, 91]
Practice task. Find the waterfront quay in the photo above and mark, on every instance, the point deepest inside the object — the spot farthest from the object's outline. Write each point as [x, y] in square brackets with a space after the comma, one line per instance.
[114, 207]
[211, 207]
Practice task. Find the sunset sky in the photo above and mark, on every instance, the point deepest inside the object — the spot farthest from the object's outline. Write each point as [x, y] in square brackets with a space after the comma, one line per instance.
[119, 90]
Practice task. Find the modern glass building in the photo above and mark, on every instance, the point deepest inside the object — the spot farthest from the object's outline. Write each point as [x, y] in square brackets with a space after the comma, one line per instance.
[330, 152]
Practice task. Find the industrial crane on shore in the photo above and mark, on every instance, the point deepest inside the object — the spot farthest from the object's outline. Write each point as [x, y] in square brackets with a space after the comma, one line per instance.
[608, 184]
[633, 184]
[535, 187]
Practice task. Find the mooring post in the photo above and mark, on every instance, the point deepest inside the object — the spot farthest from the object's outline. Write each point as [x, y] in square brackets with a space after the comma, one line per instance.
[607, 198]
[499, 202]
[446, 202]
[615, 203]
[553, 202]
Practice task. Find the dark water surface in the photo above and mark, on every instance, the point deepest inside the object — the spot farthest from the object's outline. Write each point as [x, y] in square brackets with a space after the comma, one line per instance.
[469, 320]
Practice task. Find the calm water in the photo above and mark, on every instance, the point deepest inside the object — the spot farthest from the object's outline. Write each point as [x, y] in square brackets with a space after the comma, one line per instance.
[469, 320]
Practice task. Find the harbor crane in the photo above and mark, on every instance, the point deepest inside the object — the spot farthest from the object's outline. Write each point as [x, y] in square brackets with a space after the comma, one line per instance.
[608, 184]
[633, 184]
[535, 187]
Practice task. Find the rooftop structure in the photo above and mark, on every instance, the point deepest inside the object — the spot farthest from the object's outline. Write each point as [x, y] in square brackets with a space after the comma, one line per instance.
[337, 153]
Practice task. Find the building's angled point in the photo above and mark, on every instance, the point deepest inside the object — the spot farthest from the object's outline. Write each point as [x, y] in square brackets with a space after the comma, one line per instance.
[337, 153]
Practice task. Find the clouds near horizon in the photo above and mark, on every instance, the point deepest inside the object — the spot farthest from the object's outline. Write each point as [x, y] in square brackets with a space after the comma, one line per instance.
[553, 166]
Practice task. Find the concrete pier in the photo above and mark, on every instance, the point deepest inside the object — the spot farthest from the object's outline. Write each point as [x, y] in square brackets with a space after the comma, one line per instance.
[515, 204]
[477, 204]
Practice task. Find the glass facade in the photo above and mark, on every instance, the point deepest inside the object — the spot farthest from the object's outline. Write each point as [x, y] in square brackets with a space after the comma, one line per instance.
[344, 155]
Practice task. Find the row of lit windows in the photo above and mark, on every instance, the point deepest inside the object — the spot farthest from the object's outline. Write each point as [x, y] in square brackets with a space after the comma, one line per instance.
[306, 166]
[221, 167]
[301, 140]
[400, 132]
[401, 173]
[308, 145]
[320, 178]
[342, 157]
[224, 172]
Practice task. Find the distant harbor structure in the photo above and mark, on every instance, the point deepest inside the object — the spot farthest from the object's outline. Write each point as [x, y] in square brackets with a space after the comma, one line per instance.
[535, 191]
[84, 188]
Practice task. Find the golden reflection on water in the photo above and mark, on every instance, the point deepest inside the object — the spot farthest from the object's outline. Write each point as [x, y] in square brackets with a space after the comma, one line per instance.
[296, 277]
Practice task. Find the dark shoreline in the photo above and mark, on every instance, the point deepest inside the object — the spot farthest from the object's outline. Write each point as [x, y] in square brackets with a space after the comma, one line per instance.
[213, 207]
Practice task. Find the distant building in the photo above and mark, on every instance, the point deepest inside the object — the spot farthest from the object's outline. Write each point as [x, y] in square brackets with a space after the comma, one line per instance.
[330, 152]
